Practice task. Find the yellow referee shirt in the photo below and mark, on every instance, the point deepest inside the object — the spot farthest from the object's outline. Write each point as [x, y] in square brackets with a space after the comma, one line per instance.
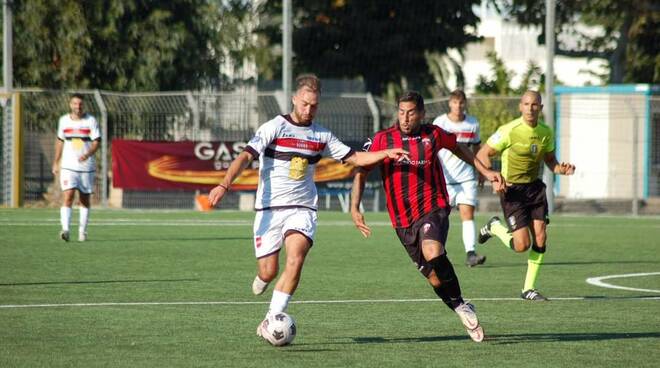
[522, 148]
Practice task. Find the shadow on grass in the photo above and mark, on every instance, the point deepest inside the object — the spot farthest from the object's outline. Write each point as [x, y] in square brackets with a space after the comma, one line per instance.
[570, 337]
[515, 338]
[94, 282]
[490, 339]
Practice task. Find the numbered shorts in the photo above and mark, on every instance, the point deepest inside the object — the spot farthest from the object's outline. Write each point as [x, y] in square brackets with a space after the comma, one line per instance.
[433, 226]
[463, 193]
[273, 225]
[523, 203]
[83, 181]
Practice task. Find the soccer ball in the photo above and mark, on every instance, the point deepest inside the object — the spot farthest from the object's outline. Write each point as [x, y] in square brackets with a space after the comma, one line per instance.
[279, 329]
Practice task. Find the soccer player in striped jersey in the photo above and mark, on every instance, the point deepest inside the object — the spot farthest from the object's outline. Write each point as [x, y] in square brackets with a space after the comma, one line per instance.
[524, 144]
[462, 179]
[78, 138]
[417, 200]
[288, 148]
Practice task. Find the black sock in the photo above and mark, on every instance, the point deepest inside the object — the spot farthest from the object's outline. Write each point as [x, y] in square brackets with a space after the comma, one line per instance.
[537, 249]
[449, 290]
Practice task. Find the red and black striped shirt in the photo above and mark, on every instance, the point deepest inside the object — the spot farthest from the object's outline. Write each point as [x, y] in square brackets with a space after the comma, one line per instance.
[417, 187]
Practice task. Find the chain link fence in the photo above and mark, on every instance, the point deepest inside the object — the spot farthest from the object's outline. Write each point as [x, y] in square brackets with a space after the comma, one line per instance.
[231, 116]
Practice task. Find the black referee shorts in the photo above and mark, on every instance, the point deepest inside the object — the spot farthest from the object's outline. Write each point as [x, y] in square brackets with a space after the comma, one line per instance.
[523, 203]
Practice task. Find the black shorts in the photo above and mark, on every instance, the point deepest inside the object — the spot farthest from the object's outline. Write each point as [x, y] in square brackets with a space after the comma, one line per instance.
[523, 203]
[433, 226]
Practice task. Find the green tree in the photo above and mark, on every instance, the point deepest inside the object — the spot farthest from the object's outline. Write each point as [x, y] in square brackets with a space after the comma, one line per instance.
[498, 109]
[381, 41]
[629, 38]
[125, 45]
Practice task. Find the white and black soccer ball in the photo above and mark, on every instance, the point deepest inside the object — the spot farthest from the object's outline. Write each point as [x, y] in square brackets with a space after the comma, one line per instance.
[279, 329]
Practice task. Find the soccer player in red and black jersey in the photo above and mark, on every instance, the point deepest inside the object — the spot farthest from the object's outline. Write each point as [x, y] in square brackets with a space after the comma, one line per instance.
[417, 199]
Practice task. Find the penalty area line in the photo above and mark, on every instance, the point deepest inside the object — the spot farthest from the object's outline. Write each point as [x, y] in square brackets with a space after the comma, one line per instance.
[233, 303]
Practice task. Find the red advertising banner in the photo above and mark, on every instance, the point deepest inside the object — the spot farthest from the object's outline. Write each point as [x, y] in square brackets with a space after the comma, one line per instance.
[140, 165]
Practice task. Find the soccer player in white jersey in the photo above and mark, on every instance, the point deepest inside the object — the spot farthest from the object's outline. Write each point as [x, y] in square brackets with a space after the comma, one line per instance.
[288, 148]
[462, 179]
[78, 138]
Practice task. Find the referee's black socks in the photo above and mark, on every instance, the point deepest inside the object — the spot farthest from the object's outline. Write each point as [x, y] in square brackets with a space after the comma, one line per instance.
[449, 290]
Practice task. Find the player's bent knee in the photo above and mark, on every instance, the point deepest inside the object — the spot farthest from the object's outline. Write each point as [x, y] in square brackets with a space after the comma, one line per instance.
[521, 246]
[268, 274]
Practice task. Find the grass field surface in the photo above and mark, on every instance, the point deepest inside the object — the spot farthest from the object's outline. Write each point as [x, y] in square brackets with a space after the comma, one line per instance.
[172, 289]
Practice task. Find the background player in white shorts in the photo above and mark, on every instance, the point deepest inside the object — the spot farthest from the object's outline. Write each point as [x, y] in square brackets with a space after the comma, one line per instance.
[78, 138]
[288, 148]
[462, 179]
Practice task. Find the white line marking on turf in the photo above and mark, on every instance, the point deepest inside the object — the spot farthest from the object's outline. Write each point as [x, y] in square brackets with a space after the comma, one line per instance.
[597, 281]
[355, 301]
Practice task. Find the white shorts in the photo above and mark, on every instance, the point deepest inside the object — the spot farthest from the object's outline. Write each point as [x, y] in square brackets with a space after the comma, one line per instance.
[463, 193]
[83, 181]
[270, 227]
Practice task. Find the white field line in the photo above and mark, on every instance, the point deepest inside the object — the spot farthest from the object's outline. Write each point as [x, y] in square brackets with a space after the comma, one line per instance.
[598, 281]
[232, 303]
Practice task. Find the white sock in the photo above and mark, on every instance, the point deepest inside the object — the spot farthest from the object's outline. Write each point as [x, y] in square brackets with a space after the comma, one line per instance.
[469, 235]
[84, 217]
[278, 302]
[65, 217]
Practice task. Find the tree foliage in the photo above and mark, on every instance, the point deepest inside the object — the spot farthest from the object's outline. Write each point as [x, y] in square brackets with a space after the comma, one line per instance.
[381, 41]
[124, 45]
[496, 109]
[629, 37]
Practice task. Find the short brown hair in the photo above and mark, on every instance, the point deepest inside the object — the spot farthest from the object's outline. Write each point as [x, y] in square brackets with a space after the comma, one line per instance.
[412, 96]
[457, 94]
[310, 81]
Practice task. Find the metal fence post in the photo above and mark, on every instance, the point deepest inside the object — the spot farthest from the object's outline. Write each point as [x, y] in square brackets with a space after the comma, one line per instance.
[195, 114]
[375, 112]
[104, 147]
[635, 158]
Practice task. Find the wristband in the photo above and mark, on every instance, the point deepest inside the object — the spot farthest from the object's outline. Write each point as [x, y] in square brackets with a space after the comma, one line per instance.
[224, 186]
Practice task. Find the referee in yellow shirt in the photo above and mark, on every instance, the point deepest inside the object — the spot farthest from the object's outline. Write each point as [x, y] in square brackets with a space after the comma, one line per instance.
[523, 143]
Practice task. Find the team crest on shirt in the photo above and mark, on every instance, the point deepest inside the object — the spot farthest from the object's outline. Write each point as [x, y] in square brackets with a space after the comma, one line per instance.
[298, 168]
[426, 228]
[534, 148]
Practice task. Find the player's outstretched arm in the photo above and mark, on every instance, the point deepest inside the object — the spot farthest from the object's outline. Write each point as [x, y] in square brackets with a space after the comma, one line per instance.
[366, 159]
[356, 197]
[561, 168]
[235, 169]
[484, 168]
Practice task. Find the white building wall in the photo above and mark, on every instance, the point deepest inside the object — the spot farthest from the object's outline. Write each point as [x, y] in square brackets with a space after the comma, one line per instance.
[517, 46]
